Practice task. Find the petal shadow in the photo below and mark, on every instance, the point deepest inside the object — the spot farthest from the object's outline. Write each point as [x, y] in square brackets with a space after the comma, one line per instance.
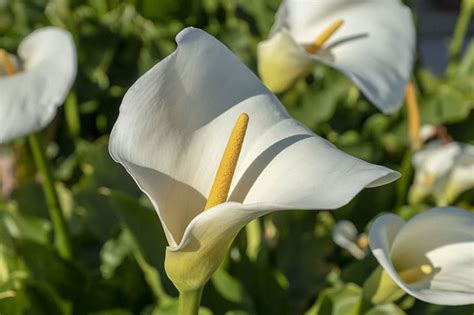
[256, 168]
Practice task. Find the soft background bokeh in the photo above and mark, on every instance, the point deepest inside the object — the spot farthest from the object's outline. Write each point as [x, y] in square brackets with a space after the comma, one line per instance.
[282, 264]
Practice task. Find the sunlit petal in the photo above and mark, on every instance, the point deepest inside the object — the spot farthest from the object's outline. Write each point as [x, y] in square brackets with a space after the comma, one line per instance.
[29, 99]
[374, 47]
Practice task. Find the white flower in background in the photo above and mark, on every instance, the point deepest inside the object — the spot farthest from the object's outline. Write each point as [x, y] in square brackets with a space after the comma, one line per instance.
[443, 171]
[170, 136]
[370, 41]
[36, 82]
[427, 132]
[430, 257]
[345, 235]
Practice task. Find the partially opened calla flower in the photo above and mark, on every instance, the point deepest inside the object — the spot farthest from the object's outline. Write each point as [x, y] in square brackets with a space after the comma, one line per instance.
[431, 256]
[442, 171]
[345, 235]
[175, 137]
[36, 82]
[370, 41]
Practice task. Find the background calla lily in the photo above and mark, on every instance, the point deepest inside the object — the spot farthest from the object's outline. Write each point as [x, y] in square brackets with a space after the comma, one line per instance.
[173, 126]
[439, 240]
[443, 171]
[374, 47]
[345, 235]
[45, 70]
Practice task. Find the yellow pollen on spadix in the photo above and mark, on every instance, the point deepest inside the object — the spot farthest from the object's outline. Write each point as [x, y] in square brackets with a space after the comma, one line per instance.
[363, 241]
[6, 62]
[414, 124]
[319, 41]
[416, 273]
[221, 185]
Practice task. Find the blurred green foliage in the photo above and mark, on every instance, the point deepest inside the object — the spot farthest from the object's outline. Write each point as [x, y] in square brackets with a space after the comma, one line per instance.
[118, 240]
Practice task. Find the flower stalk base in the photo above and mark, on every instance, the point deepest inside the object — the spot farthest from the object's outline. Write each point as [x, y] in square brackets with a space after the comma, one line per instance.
[379, 288]
[62, 238]
[189, 302]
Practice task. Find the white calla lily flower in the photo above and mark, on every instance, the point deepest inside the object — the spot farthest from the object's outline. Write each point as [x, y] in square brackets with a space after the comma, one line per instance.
[171, 133]
[370, 41]
[443, 171]
[345, 235]
[36, 82]
[430, 257]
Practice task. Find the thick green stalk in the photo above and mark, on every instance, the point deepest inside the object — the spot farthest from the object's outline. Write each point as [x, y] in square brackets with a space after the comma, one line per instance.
[189, 302]
[467, 9]
[62, 238]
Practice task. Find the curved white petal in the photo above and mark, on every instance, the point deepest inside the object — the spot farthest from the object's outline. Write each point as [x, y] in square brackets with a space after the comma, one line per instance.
[382, 234]
[374, 47]
[437, 158]
[441, 237]
[29, 99]
[345, 235]
[175, 121]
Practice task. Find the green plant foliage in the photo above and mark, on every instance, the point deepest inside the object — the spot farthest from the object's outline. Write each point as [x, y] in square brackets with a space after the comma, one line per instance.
[285, 263]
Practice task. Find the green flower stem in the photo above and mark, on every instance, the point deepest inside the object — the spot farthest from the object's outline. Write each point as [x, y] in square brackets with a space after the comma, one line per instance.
[189, 302]
[467, 9]
[71, 113]
[403, 184]
[62, 238]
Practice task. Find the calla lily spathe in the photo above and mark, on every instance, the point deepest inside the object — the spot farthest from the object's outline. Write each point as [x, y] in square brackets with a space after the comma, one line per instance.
[345, 235]
[170, 135]
[440, 241]
[443, 171]
[374, 47]
[39, 82]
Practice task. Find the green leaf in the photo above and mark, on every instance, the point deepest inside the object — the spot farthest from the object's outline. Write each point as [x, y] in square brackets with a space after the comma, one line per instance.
[386, 309]
[228, 286]
[45, 300]
[149, 240]
[23, 226]
[97, 162]
[45, 265]
[113, 254]
[332, 301]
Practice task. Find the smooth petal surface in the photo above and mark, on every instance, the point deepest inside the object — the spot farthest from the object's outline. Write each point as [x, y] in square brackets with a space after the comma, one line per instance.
[374, 47]
[175, 121]
[29, 99]
[441, 237]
